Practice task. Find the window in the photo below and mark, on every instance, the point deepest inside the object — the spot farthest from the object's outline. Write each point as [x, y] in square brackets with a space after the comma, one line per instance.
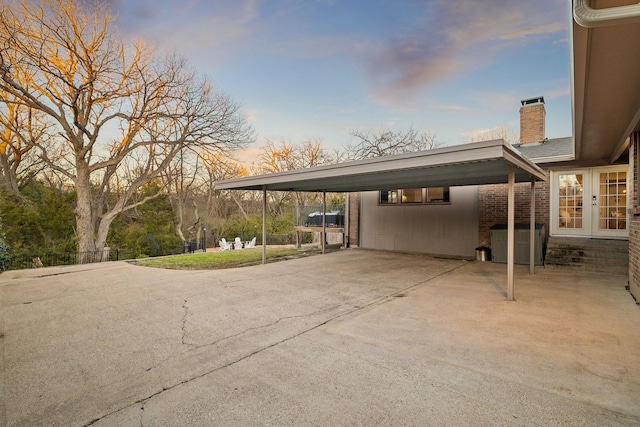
[389, 197]
[412, 195]
[415, 196]
[437, 194]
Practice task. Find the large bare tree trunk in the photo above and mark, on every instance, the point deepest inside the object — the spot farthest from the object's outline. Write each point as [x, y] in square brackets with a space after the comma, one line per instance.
[8, 179]
[84, 218]
[179, 220]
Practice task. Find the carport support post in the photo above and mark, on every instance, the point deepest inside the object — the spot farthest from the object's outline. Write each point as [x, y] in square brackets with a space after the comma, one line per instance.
[264, 225]
[532, 231]
[510, 231]
[345, 223]
[324, 218]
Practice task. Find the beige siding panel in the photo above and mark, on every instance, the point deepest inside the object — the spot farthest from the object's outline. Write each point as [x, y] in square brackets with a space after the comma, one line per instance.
[449, 229]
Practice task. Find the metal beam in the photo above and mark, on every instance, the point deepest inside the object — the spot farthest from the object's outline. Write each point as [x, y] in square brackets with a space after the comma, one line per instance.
[532, 231]
[347, 222]
[510, 232]
[264, 226]
[324, 219]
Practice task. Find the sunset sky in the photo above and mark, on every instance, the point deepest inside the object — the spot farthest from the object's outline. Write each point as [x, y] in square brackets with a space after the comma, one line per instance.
[321, 68]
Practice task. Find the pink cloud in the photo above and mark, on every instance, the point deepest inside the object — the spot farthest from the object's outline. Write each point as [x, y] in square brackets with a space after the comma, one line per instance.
[456, 37]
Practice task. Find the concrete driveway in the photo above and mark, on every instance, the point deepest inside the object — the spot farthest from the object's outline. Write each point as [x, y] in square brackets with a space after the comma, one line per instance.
[350, 338]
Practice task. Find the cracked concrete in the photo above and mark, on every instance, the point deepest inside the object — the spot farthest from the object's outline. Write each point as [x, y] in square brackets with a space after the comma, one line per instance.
[355, 337]
[184, 323]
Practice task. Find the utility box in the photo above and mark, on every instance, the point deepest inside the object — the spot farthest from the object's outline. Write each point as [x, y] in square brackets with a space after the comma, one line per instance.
[521, 244]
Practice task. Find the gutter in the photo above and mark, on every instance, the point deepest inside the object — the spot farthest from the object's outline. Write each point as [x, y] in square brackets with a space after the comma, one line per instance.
[587, 17]
[552, 159]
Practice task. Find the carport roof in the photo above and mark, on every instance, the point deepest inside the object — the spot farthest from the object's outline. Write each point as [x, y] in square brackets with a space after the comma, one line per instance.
[478, 163]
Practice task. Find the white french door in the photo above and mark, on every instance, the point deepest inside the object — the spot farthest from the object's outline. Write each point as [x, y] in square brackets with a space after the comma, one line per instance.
[590, 202]
[609, 202]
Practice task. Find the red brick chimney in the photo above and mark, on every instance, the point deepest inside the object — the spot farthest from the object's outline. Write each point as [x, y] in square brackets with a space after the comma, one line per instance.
[532, 115]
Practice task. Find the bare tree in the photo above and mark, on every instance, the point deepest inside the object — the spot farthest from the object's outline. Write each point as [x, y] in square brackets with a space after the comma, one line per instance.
[113, 108]
[218, 168]
[500, 132]
[388, 142]
[20, 126]
[190, 180]
[284, 156]
[183, 181]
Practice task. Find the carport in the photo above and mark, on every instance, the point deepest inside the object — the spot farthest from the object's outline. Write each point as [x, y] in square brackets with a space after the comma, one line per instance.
[480, 163]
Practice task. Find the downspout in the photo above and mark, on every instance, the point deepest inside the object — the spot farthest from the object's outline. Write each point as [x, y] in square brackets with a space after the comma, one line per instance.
[587, 17]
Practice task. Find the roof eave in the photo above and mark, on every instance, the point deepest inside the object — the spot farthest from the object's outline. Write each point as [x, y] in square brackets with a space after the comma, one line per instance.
[401, 170]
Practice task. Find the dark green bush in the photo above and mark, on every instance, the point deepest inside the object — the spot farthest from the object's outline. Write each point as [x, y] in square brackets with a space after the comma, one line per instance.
[5, 255]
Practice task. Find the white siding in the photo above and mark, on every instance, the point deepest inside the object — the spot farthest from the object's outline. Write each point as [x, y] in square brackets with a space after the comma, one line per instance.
[447, 229]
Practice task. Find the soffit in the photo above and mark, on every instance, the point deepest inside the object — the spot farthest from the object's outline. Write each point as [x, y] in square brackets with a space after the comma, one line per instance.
[606, 80]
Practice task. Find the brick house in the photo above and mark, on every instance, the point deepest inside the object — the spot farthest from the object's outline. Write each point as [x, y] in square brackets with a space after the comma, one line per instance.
[582, 206]
[590, 204]
[445, 202]
[485, 206]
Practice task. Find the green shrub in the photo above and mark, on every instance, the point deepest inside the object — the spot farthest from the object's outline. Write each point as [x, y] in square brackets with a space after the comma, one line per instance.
[41, 217]
[5, 256]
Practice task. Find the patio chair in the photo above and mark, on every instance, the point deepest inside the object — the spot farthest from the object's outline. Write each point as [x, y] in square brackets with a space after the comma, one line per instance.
[224, 245]
[251, 244]
[237, 244]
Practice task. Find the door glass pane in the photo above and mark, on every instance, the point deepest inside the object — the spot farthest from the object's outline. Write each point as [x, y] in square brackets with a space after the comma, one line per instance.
[570, 190]
[613, 201]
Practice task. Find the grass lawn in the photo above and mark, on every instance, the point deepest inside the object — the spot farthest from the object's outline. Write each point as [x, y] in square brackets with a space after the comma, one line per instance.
[220, 260]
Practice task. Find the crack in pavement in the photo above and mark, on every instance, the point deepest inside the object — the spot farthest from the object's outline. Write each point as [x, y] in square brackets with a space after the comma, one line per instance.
[268, 325]
[375, 301]
[240, 359]
[254, 328]
[184, 323]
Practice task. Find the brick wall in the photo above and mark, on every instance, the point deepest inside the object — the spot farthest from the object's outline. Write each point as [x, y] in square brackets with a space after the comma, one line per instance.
[532, 119]
[492, 207]
[634, 217]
